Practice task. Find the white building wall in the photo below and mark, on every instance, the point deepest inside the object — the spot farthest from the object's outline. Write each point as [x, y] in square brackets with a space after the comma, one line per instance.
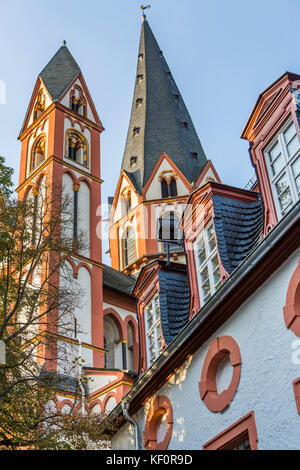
[266, 377]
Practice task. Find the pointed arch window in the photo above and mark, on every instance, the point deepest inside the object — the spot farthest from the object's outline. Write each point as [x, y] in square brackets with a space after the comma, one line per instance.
[128, 247]
[76, 147]
[38, 152]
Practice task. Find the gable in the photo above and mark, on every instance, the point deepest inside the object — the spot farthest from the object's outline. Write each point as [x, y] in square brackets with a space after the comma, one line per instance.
[153, 191]
[78, 88]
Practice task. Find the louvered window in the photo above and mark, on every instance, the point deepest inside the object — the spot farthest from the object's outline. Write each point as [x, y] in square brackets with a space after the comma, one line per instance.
[129, 250]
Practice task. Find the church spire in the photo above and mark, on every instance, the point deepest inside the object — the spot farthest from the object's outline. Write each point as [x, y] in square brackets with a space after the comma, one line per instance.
[160, 121]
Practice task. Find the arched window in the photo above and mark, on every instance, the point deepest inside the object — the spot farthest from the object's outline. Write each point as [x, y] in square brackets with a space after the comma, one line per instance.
[130, 346]
[164, 189]
[113, 358]
[125, 201]
[77, 102]
[128, 247]
[39, 106]
[76, 147]
[173, 187]
[169, 229]
[38, 152]
[168, 184]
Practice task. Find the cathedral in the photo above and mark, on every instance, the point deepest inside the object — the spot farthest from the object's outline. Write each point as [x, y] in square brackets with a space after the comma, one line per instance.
[190, 337]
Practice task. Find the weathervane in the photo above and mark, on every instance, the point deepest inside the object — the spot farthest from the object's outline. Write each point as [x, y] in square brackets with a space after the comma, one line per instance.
[143, 8]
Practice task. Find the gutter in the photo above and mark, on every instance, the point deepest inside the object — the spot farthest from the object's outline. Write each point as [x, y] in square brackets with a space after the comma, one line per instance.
[215, 311]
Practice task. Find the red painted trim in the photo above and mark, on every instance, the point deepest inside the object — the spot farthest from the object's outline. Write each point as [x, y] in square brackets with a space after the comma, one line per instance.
[296, 388]
[235, 434]
[208, 166]
[219, 348]
[160, 406]
[291, 310]
[118, 320]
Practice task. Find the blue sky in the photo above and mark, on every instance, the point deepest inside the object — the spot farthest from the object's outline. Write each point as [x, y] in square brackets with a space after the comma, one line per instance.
[222, 54]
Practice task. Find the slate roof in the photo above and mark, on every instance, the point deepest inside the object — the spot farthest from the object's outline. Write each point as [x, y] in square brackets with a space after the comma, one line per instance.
[62, 382]
[117, 280]
[174, 300]
[158, 112]
[238, 226]
[59, 73]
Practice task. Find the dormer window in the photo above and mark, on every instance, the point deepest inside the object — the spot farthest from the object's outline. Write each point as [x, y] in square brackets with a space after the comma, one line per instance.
[140, 77]
[76, 147]
[194, 155]
[39, 106]
[139, 102]
[283, 162]
[176, 98]
[160, 53]
[136, 131]
[207, 263]
[168, 74]
[153, 330]
[38, 153]
[184, 124]
[141, 57]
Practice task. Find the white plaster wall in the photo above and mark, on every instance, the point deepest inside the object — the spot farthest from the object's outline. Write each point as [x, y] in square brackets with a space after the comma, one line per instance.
[68, 197]
[84, 216]
[100, 381]
[154, 190]
[266, 377]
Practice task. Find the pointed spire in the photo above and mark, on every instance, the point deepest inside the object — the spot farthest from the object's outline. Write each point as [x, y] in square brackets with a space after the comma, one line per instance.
[159, 120]
[60, 72]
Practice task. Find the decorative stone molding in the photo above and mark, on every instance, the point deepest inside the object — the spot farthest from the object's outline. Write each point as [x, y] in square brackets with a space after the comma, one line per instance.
[161, 406]
[218, 350]
[242, 429]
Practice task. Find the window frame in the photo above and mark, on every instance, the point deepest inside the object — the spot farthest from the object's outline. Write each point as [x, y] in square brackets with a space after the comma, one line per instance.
[156, 326]
[286, 169]
[207, 263]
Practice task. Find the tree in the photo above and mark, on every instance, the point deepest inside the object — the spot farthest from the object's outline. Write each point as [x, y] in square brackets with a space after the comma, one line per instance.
[38, 297]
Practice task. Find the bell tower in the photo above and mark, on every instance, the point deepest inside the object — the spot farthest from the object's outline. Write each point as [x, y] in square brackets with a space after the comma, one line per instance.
[163, 163]
[60, 140]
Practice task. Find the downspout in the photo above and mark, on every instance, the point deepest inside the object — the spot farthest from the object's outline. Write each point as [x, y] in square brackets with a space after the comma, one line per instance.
[133, 423]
